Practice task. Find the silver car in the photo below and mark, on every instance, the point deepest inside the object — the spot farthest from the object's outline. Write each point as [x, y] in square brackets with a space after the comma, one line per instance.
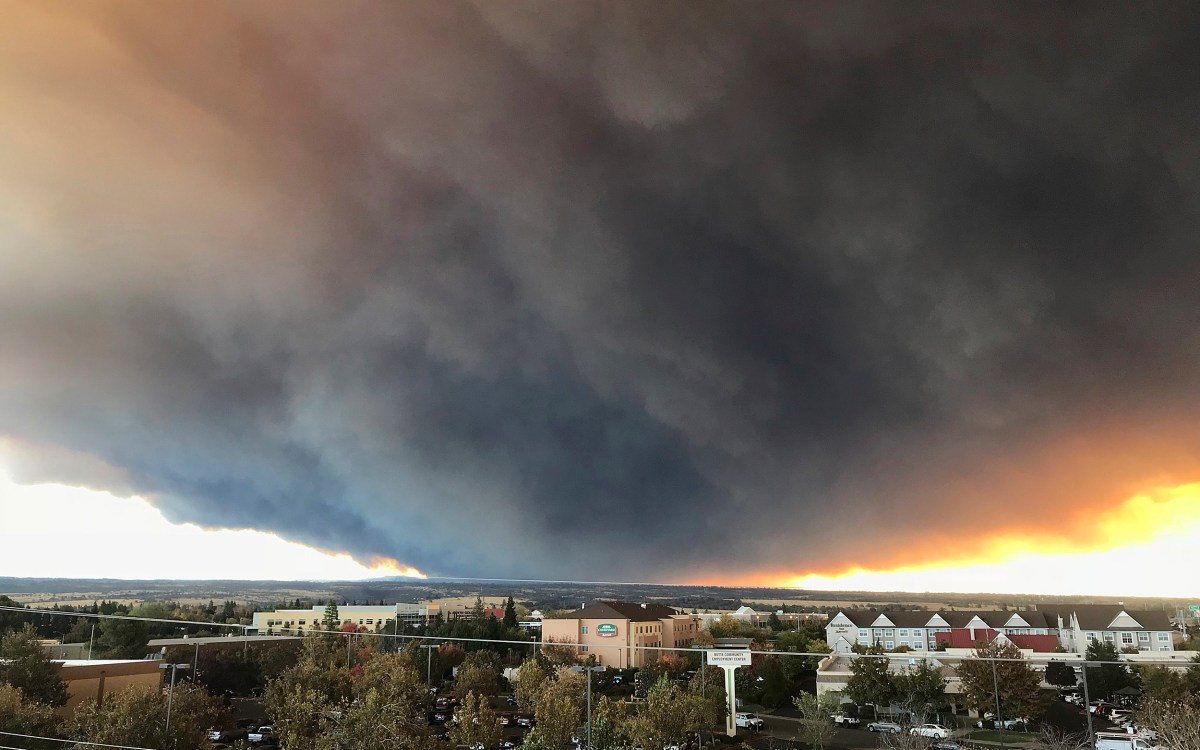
[889, 727]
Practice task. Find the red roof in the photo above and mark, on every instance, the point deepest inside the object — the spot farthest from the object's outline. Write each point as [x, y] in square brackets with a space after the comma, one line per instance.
[966, 637]
[1042, 644]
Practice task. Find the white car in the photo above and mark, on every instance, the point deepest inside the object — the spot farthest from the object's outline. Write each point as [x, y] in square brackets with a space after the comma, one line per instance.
[749, 721]
[259, 735]
[889, 727]
[936, 731]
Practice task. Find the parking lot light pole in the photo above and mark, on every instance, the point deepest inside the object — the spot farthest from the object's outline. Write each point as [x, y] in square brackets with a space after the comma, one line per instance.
[589, 671]
[996, 688]
[429, 663]
[171, 690]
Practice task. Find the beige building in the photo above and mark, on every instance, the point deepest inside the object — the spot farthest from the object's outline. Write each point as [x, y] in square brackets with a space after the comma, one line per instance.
[623, 634]
[300, 621]
[93, 679]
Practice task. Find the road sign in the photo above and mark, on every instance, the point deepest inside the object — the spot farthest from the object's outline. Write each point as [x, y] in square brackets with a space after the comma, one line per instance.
[737, 658]
[1194, 608]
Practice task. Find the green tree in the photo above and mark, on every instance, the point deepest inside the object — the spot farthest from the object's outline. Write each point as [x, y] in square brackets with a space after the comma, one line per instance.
[138, 716]
[21, 717]
[477, 610]
[123, 639]
[1019, 686]
[775, 685]
[510, 613]
[871, 680]
[665, 717]
[706, 692]
[1103, 680]
[24, 664]
[475, 723]
[479, 673]
[774, 623]
[1162, 683]
[815, 728]
[921, 690]
[609, 721]
[331, 621]
[1060, 674]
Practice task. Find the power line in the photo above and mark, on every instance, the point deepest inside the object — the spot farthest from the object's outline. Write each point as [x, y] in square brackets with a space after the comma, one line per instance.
[73, 742]
[631, 646]
[65, 613]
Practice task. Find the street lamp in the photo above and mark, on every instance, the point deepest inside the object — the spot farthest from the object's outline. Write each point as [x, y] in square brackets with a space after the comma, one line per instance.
[589, 671]
[171, 692]
[429, 662]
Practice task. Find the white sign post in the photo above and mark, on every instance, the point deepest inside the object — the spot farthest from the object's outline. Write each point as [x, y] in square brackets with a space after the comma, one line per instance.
[729, 660]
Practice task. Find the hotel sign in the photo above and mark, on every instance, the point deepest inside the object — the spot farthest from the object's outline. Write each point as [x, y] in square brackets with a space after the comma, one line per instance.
[738, 658]
[606, 630]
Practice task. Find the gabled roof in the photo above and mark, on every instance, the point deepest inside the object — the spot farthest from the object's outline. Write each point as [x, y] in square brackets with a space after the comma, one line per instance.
[1016, 621]
[1107, 617]
[883, 621]
[632, 611]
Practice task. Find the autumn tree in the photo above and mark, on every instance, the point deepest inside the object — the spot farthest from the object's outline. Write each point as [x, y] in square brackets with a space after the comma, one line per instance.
[559, 707]
[707, 693]
[527, 686]
[1019, 686]
[479, 673]
[815, 728]
[21, 717]
[559, 652]
[1176, 720]
[24, 664]
[475, 723]
[664, 719]
[138, 716]
[382, 719]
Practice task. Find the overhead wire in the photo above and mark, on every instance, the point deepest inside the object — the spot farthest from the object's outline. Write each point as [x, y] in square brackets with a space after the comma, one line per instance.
[73, 742]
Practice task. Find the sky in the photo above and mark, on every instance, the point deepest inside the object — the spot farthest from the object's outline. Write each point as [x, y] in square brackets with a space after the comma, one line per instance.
[818, 294]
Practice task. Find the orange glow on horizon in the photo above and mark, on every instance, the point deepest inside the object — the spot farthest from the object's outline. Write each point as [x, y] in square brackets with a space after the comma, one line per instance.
[1094, 551]
[387, 566]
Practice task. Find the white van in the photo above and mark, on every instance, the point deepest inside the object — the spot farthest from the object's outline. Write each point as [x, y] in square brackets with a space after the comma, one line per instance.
[1122, 741]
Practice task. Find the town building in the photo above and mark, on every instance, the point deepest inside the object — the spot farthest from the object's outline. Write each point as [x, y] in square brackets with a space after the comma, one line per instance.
[623, 634]
[1072, 627]
[371, 617]
[94, 679]
[790, 620]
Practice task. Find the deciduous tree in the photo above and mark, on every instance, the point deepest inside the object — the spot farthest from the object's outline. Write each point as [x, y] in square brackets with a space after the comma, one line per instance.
[138, 716]
[475, 722]
[921, 690]
[1060, 674]
[815, 727]
[871, 680]
[1019, 686]
[22, 717]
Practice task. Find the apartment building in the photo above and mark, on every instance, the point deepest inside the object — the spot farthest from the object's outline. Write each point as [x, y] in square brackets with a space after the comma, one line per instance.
[1074, 627]
[623, 634]
[763, 619]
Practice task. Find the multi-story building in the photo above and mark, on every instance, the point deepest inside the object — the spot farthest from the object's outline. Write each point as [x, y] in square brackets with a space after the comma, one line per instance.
[623, 634]
[371, 617]
[1074, 626]
[763, 620]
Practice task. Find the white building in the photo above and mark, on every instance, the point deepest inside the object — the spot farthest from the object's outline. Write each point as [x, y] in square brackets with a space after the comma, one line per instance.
[1072, 627]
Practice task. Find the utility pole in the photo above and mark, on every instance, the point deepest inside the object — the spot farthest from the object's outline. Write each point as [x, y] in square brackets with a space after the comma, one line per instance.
[996, 688]
[91, 639]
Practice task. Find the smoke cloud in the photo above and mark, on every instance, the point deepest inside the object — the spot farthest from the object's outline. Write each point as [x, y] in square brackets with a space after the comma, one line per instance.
[645, 290]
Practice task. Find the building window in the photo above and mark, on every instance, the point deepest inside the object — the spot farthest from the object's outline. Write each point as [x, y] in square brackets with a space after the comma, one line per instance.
[1144, 637]
[1164, 636]
[863, 634]
[918, 645]
[583, 649]
[889, 644]
[371, 622]
[903, 632]
[918, 632]
[1127, 639]
[1108, 636]
[1091, 636]
[887, 633]
[583, 630]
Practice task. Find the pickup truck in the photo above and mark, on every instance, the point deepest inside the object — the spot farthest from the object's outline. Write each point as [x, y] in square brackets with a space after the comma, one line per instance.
[1122, 741]
[748, 721]
[842, 720]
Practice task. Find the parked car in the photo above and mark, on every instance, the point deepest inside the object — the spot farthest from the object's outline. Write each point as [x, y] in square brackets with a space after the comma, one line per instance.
[944, 745]
[525, 720]
[884, 726]
[936, 731]
[260, 735]
[843, 720]
[215, 735]
[749, 721]
[1118, 717]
